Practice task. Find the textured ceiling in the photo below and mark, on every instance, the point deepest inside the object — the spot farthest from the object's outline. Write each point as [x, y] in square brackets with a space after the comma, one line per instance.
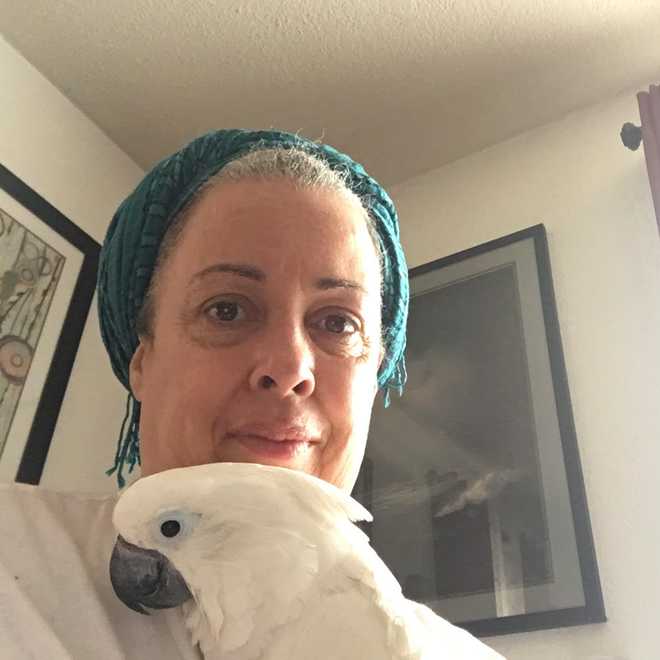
[402, 85]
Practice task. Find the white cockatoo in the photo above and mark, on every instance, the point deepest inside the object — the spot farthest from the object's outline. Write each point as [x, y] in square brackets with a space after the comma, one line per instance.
[267, 564]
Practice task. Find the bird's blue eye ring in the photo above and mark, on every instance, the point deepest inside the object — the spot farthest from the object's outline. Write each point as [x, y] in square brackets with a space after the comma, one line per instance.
[174, 525]
[170, 528]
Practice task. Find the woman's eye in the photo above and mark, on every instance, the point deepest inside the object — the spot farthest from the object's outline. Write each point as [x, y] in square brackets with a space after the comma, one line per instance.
[338, 324]
[225, 310]
[343, 332]
[343, 326]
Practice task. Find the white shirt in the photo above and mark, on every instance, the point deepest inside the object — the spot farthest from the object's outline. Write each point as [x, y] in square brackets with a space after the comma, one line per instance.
[56, 600]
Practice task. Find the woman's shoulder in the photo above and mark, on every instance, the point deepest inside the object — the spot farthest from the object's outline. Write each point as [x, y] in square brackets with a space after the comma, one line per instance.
[35, 507]
[55, 521]
[28, 491]
[56, 588]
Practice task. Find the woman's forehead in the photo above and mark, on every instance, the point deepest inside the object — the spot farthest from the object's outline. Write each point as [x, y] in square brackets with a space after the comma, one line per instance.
[274, 204]
[276, 226]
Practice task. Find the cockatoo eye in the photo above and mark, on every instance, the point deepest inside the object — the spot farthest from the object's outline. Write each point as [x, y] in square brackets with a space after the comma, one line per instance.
[173, 526]
[170, 528]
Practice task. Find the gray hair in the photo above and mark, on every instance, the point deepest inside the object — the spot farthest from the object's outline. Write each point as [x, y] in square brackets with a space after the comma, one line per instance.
[303, 169]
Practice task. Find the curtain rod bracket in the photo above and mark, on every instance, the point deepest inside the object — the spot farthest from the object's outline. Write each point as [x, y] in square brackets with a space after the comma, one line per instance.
[631, 136]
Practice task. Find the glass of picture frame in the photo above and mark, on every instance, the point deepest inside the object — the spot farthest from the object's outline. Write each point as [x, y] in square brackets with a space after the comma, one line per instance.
[473, 475]
[48, 271]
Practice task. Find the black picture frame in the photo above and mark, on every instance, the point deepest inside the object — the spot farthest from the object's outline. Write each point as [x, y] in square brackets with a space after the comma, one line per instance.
[501, 295]
[37, 443]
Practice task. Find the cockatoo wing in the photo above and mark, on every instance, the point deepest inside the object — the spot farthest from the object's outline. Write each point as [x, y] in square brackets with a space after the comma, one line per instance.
[444, 640]
[347, 622]
[341, 622]
[229, 615]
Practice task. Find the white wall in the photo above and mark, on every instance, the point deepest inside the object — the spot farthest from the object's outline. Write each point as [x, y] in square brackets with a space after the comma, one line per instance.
[48, 143]
[592, 194]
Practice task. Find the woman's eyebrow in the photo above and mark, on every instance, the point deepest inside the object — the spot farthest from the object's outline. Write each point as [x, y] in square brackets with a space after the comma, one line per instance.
[258, 275]
[242, 270]
[326, 283]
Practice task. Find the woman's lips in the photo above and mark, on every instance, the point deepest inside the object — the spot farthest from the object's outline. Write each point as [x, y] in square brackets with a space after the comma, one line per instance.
[273, 449]
[274, 441]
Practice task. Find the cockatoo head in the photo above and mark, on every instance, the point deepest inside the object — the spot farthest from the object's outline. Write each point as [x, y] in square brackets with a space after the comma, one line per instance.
[218, 537]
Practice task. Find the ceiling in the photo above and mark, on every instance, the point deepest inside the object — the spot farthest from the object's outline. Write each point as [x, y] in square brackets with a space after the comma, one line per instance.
[404, 86]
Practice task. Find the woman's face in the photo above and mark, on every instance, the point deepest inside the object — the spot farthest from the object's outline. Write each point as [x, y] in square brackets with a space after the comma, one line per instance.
[266, 338]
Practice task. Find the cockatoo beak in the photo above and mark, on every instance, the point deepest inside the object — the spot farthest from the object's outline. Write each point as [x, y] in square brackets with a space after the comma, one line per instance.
[145, 577]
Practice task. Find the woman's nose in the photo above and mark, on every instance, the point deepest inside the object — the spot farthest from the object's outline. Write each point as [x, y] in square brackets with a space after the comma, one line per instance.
[285, 362]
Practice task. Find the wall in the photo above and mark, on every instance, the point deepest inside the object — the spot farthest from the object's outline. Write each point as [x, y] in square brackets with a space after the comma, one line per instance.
[57, 151]
[576, 178]
[592, 194]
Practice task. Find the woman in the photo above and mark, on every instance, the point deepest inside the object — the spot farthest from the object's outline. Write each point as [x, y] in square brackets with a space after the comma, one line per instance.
[253, 298]
[262, 319]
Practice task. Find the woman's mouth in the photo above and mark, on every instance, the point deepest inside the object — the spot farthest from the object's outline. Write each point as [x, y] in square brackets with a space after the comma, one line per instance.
[268, 442]
[269, 448]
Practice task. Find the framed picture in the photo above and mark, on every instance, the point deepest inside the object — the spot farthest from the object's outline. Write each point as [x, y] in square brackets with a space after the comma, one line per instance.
[47, 278]
[473, 475]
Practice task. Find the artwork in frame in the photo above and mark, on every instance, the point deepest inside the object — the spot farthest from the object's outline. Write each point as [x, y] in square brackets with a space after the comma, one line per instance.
[473, 475]
[48, 271]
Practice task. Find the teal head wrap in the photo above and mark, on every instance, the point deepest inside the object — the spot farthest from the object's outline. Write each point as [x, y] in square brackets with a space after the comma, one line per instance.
[129, 252]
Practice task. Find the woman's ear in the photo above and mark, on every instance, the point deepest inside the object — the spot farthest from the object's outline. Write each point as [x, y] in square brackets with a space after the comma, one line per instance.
[136, 371]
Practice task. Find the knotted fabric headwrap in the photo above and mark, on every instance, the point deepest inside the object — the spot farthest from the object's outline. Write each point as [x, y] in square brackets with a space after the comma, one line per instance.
[130, 249]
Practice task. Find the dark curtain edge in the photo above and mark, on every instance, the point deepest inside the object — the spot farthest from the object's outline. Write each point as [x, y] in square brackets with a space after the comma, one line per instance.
[649, 112]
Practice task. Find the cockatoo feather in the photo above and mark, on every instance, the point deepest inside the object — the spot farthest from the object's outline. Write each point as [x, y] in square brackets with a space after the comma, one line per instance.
[276, 568]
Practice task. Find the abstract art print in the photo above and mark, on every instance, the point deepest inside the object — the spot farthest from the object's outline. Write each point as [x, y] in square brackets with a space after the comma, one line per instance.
[47, 277]
[473, 475]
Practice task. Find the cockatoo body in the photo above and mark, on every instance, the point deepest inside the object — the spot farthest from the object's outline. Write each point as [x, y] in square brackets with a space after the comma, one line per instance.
[268, 565]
